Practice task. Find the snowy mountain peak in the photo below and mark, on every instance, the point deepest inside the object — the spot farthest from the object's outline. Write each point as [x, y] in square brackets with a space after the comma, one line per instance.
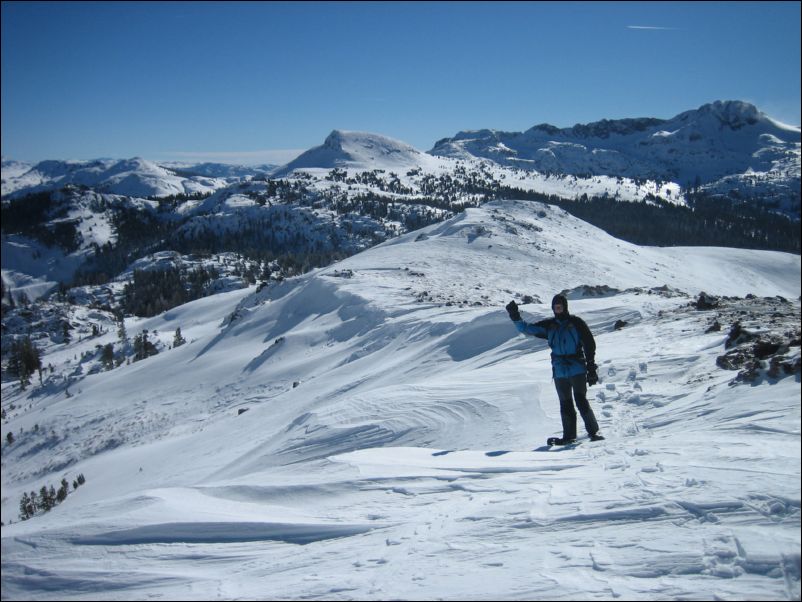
[361, 150]
[732, 116]
[366, 145]
[137, 164]
[719, 147]
[732, 113]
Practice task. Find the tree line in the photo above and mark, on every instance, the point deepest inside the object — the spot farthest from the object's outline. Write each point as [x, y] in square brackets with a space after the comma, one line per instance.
[42, 217]
[31, 504]
[706, 221]
[291, 234]
[152, 292]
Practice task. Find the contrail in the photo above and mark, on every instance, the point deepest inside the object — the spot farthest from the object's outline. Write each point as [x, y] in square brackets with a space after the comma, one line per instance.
[650, 27]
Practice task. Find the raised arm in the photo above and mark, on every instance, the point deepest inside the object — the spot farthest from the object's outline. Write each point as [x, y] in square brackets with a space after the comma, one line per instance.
[535, 329]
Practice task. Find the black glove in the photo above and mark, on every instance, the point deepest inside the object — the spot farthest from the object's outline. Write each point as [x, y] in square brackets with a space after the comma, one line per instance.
[512, 309]
[591, 376]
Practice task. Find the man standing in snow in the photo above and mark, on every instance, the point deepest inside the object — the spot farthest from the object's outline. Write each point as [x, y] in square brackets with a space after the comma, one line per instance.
[573, 352]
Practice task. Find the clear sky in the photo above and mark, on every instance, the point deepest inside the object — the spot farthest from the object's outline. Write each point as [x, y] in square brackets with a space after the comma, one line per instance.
[248, 82]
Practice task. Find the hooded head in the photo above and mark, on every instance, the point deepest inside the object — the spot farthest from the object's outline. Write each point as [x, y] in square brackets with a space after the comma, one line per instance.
[560, 300]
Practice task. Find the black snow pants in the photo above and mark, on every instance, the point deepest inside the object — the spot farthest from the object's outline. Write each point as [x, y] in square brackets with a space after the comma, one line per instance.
[567, 412]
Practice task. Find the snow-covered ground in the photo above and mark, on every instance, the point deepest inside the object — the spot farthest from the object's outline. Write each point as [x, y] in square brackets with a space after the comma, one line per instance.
[391, 444]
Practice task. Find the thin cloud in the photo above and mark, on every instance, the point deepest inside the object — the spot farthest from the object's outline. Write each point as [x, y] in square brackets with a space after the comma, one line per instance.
[262, 156]
[652, 27]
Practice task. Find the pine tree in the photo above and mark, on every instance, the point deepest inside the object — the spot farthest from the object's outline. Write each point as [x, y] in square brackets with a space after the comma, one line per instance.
[24, 507]
[45, 501]
[23, 360]
[139, 346]
[143, 348]
[122, 333]
[178, 340]
[28, 506]
[107, 356]
[61, 495]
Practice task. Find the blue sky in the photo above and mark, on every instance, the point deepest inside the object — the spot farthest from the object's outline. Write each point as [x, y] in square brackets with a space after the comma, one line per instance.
[251, 82]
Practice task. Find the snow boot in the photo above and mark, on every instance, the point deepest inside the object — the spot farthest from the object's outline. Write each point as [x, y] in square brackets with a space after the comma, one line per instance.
[596, 437]
[559, 441]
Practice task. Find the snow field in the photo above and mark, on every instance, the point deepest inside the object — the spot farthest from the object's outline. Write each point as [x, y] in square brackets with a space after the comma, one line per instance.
[407, 463]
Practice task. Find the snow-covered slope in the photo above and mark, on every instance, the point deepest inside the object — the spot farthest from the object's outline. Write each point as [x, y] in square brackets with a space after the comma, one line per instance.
[35, 268]
[132, 177]
[14, 169]
[391, 411]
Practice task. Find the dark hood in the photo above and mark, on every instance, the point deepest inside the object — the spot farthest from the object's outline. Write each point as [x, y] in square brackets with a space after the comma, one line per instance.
[560, 299]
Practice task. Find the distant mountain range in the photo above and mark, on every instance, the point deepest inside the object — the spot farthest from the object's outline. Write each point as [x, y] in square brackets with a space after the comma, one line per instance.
[725, 147]
[726, 160]
[721, 147]
[135, 177]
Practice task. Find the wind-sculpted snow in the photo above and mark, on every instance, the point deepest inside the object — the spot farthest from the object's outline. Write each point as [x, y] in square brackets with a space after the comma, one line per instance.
[375, 430]
[225, 532]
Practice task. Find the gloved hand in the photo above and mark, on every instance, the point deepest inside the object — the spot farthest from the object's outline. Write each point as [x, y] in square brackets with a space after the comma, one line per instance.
[512, 309]
[592, 376]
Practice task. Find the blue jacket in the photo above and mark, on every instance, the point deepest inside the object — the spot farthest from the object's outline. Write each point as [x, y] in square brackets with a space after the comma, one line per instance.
[570, 340]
